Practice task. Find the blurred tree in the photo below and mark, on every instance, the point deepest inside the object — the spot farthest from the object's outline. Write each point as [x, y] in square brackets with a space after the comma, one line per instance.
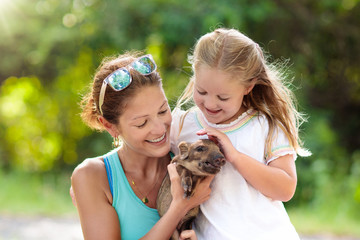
[325, 40]
[49, 50]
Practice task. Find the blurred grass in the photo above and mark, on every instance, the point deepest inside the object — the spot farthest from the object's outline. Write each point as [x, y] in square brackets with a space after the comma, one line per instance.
[324, 221]
[48, 194]
[34, 194]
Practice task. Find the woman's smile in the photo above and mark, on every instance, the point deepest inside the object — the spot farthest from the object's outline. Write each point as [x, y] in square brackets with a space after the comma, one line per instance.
[159, 140]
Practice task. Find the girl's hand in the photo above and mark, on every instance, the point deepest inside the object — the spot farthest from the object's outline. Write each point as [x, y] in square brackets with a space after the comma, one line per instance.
[201, 194]
[221, 139]
[188, 234]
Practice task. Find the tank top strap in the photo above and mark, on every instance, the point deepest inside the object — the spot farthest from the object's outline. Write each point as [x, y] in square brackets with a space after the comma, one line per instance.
[135, 218]
[112, 165]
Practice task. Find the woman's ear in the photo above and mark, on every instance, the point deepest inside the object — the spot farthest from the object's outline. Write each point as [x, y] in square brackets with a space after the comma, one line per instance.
[110, 127]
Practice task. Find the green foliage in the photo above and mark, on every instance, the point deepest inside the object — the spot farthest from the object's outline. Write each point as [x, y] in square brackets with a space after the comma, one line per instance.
[50, 50]
[30, 142]
[41, 127]
[328, 181]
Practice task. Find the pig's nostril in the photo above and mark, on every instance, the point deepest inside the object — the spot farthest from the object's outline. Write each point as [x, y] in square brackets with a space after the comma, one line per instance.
[220, 161]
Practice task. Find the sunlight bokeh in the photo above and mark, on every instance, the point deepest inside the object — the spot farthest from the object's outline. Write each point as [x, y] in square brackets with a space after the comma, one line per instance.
[50, 49]
[8, 9]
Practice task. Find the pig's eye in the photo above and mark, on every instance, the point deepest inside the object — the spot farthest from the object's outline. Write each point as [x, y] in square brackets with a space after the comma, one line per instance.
[200, 149]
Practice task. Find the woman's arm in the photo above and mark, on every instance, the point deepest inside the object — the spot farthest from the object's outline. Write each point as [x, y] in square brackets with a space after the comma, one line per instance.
[179, 206]
[98, 218]
[277, 180]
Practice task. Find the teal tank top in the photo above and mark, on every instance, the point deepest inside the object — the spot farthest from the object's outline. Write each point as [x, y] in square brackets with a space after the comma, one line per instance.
[136, 219]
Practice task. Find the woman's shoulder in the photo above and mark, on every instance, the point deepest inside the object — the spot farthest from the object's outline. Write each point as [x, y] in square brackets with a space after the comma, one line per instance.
[90, 185]
[89, 170]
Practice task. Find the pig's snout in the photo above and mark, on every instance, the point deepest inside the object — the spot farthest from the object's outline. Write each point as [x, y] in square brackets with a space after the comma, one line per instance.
[219, 160]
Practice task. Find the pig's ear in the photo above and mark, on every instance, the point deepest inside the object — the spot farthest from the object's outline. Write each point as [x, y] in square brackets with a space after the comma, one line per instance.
[184, 150]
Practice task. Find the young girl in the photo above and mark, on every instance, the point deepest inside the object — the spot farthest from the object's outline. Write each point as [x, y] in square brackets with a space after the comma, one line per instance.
[243, 104]
[116, 193]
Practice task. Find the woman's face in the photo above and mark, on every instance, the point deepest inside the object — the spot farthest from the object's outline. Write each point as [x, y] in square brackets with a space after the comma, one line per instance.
[145, 124]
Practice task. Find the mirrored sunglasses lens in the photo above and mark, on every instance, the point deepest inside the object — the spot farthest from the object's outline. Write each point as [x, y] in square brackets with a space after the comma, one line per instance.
[144, 65]
[120, 79]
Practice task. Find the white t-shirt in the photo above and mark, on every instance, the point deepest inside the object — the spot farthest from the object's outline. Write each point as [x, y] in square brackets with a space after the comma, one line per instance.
[235, 209]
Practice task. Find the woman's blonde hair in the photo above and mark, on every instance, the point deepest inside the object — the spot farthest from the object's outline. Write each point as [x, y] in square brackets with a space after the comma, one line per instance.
[114, 101]
[230, 51]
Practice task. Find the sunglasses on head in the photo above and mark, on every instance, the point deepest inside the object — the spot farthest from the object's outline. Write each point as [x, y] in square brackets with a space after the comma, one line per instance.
[121, 78]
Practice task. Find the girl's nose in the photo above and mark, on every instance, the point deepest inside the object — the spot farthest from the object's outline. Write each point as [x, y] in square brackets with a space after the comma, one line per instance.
[210, 103]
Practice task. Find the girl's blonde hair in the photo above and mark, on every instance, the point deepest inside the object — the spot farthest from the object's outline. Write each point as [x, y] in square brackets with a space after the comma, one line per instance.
[230, 51]
[114, 101]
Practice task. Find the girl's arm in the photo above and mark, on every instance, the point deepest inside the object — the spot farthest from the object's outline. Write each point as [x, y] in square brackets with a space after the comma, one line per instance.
[276, 180]
[179, 206]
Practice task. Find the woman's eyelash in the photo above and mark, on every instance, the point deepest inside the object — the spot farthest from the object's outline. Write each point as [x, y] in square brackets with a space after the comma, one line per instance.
[141, 125]
[201, 93]
[163, 112]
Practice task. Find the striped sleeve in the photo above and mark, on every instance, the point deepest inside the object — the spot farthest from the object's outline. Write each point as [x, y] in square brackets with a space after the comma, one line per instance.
[280, 146]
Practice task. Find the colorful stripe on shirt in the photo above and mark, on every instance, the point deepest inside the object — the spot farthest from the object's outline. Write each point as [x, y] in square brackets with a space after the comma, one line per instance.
[227, 129]
[279, 151]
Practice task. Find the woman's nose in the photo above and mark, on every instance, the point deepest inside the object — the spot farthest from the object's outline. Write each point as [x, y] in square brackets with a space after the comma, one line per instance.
[159, 127]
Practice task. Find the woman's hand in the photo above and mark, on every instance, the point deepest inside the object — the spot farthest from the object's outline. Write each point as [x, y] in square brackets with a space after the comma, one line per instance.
[222, 140]
[201, 194]
[188, 234]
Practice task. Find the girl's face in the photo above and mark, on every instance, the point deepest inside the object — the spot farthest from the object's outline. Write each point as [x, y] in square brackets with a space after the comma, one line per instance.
[218, 95]
[145, 124]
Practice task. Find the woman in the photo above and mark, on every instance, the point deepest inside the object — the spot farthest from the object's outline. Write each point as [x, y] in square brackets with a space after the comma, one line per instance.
[116, 193]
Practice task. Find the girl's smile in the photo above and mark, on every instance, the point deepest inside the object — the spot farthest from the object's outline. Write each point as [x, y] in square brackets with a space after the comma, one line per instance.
[218, 95]
[213, 111]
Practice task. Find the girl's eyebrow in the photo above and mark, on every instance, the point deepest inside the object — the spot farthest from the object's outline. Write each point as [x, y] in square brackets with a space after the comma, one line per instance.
[198, 88]
[142, 116]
